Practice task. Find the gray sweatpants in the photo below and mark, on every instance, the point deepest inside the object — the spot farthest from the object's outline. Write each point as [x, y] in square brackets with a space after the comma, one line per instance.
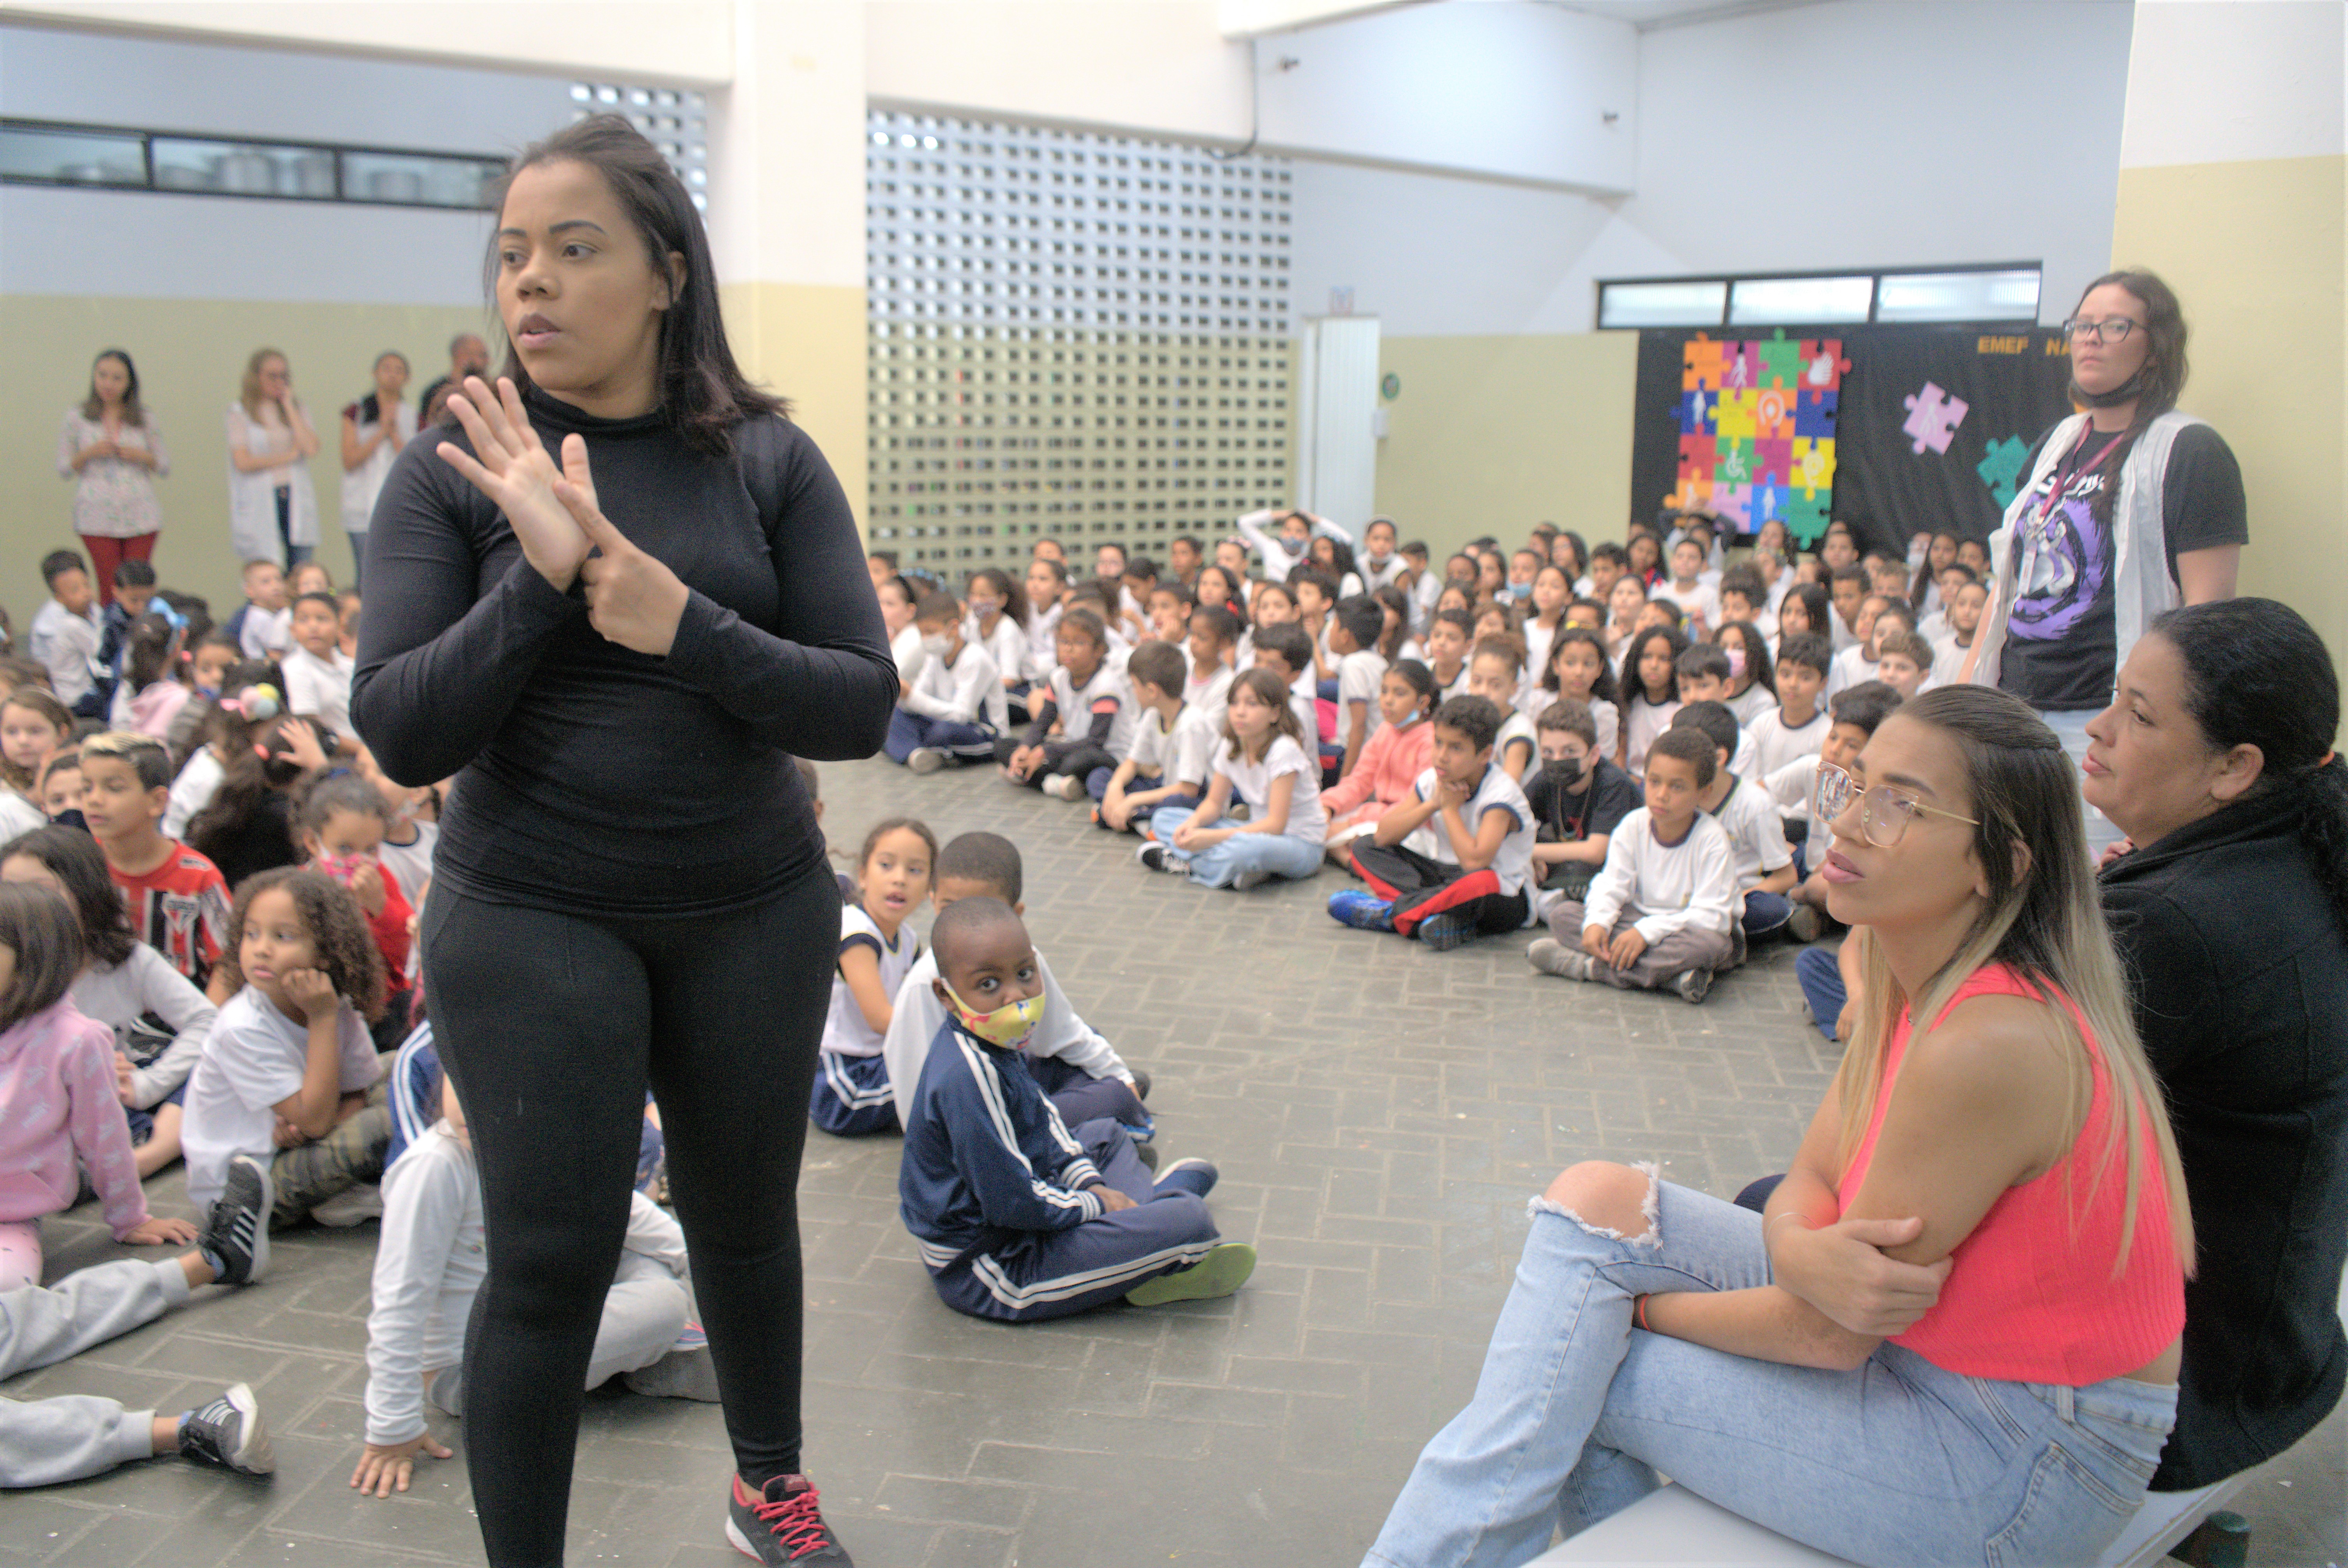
[1680, 950]
[44, 1441]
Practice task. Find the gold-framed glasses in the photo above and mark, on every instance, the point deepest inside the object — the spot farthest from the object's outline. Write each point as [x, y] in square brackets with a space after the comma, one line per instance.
[1884, 813]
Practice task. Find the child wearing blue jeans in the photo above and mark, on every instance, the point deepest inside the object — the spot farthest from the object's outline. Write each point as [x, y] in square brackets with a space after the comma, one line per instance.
[1017, 1218]
[1262, 760]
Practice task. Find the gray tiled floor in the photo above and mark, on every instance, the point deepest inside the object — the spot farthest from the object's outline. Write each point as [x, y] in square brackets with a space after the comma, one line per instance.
[1379, 1113]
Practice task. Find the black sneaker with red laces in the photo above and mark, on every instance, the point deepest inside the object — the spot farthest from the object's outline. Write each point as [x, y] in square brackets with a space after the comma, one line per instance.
[783, 1525]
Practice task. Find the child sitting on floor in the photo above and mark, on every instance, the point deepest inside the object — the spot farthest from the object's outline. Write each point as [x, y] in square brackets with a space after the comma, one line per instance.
[1017, 1218]
[1211, 636]
[1079, 1070]
[1354, 626]
[1579, 797]
[58, 1114]
[1496, 673]
[177, 898]
[1262, 762]
[290, 1075]
[1855, 712]
[68, 1437]
[341, 818]
[851, 1096]
[1084, 721]
[125, 985]
[1166, 762]
[1764, 862]
[1451, 862]
[1391, 762]
[1660, 913]
[1287, 653]
[429, 1265]
[956, 709]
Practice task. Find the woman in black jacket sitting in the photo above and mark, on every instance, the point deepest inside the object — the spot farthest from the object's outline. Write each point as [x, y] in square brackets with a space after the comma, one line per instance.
[2216, 759]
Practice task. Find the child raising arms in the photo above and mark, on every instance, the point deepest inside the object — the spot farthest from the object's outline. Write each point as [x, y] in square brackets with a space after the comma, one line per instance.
[851, 1096]
[1264, 763]
[57, 1107]
[290, 1076]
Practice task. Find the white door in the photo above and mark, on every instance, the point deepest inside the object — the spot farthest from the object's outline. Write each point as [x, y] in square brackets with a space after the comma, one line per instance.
[1338, 447]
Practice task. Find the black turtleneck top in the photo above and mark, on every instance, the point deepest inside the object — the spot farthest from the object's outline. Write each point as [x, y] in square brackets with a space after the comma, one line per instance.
[594, 779]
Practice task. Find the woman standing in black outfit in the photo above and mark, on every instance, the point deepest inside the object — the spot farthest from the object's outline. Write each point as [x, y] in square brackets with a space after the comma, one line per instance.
[620, 648]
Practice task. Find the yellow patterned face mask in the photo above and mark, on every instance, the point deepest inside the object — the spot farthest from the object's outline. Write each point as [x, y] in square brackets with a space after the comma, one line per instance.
[1007, 1026]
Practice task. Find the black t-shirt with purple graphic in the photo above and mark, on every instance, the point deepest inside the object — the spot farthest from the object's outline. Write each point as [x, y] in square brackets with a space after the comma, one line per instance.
[2061, 638]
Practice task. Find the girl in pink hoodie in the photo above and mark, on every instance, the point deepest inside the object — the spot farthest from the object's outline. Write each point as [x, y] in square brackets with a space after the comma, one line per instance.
[1391, 762]
[58, 1103]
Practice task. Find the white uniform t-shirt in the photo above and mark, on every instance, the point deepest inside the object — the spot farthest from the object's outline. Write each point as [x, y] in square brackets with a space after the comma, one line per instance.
[1776, 743]
[1359, 674]
[320, 688]
[1179, 755]
[1496, 791]
[1252, 782]
[1757, 831]
[256, 1057]
[845, 1032]
[1008, 647]
[1078, 705]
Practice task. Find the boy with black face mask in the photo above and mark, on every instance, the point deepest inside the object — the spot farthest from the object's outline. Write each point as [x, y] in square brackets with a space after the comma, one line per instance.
[1578, 799]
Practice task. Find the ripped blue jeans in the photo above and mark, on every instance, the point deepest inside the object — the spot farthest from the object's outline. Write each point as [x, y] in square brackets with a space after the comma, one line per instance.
[1898, 1463]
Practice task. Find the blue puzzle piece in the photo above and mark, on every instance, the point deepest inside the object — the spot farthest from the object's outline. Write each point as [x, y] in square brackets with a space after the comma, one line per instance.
[1814, 415]
[1699, 413]
[1768, 501]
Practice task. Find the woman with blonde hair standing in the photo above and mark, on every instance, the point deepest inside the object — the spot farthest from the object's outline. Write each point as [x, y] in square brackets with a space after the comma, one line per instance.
[272, 509]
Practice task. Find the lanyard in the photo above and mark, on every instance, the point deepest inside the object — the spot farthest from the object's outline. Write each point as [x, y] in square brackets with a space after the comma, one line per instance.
[2066, 471]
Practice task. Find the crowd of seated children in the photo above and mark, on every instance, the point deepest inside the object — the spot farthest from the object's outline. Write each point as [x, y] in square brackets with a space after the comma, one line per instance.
[290, 1074]
[1661, 910]
[177, 898]
[1286, 654]
[1211, 635]
[1953, 639]
[33, 727]
[1262, 762]
[1579, 797]
[1651, 692]
[159, 1020]
[1391, 762]
[1164, 764]
[318, 673]
[1853, 716]
[1450, 634]
[957, 708]
[1903, 660]
[341, 818]
[1017, 1216]
[1579, 672]
[248, 826]
[1454, 861]
[852, 1097]
[1079, 1072]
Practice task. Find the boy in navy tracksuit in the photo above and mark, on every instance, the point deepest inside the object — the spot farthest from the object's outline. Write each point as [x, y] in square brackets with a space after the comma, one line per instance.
[1018, 1219]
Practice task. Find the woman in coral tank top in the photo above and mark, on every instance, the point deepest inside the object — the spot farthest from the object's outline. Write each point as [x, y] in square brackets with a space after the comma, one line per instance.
[2009, 1411]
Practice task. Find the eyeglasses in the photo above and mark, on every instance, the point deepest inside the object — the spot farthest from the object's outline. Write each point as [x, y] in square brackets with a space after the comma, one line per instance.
[1884, 813]
[2113, 330]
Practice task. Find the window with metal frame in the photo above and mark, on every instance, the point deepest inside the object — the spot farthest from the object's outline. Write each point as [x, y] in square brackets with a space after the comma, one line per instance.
[2004, 293]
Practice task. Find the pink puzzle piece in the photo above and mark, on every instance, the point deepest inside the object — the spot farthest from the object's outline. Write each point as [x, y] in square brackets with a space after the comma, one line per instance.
[1774, 461]
[1734, 503]
[1933, 417]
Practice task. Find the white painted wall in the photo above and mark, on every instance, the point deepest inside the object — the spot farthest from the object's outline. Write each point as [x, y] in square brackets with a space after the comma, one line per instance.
[150, 244]
[1514, 88]
[2232, 82]
[1986, 131]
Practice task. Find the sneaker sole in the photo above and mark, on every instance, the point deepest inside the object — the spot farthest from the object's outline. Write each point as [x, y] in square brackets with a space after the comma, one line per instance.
[1219, 1274]
[259, 1268]
[1249, 879]
[1445, 932]
[254, 1454]
[741, 1542]
[1362, 919]
[1212, 1175]
[925, 762]
[679, 1375]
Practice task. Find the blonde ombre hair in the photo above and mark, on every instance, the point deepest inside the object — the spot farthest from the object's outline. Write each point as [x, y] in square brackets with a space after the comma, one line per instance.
[250, 393]
[2044, 921]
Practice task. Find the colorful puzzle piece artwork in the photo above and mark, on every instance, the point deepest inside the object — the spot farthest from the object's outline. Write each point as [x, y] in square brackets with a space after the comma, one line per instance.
[1758, 430]
[2001, 469]
[1933, 418]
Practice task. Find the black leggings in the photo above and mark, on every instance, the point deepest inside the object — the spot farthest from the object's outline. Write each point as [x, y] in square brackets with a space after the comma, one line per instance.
[550, 1026]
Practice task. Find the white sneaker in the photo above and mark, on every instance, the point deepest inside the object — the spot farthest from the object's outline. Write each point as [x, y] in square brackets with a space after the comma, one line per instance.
[925, 760]
[353, 1206]
[1065, 786]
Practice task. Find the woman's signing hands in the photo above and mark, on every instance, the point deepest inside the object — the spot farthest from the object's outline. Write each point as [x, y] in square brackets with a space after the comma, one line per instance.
[511, 466]
[633, 599]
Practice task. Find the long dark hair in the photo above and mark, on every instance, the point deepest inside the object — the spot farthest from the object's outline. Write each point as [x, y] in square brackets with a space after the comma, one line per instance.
[703, 392]
[2257, 674]
[94, 407]
[255, 763]
[1634, 687]
[73, 858]
[1756, 653]
[2157, 382]
[1603, 689]
[1817, 605]
[337, 929]
[45, 936]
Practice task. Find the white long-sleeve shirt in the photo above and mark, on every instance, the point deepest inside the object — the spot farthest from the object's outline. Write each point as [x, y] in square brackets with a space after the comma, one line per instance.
[1665, 888]
[191, 791]
[918, 1015]
[1279, 557]
[967, 691]
[430, 1261]
[1007, 647]
[320, 688]
[66, 646]
[118, 995]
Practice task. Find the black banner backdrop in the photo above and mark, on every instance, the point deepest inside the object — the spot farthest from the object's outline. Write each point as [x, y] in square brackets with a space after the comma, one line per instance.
[1907, 460]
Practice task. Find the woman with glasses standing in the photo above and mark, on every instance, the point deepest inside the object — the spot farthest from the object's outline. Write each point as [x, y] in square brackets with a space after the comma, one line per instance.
[2132, 510]
[1995, 1123]
[272, 509]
